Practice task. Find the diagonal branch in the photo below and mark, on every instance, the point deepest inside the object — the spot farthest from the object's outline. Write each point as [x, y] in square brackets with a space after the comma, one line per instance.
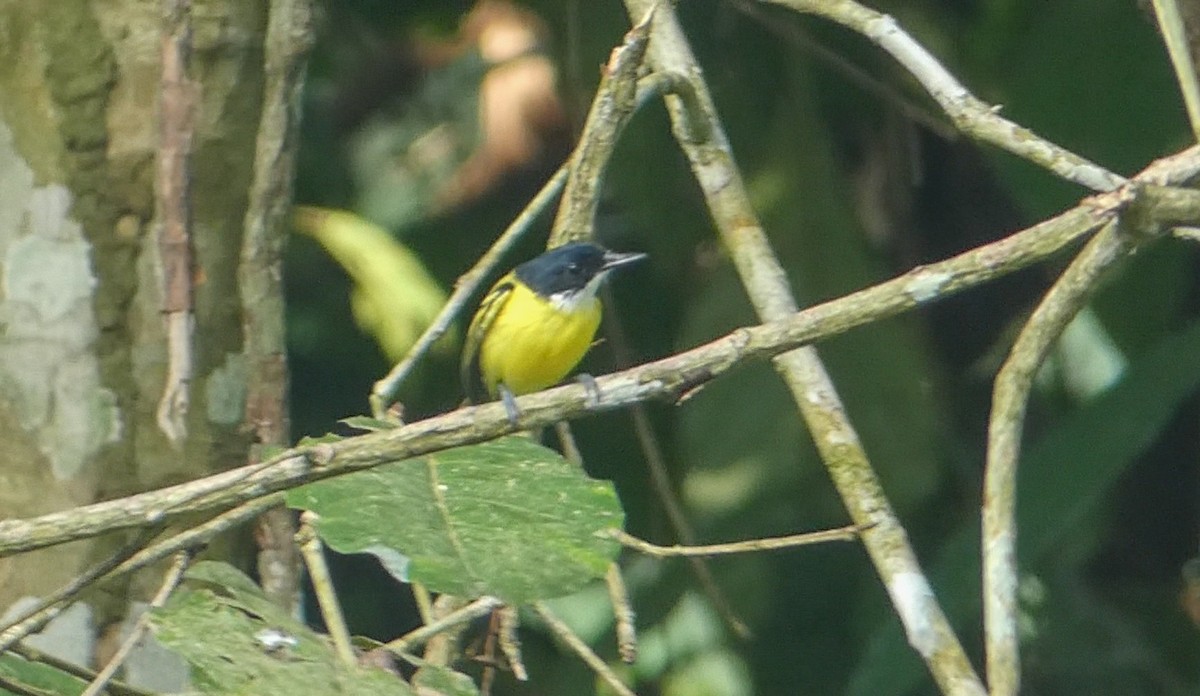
[816, 397]
[1010, 397]
[972, 116]
[665, 378]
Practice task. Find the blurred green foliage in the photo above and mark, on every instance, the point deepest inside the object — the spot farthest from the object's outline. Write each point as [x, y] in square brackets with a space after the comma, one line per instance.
[855, 181]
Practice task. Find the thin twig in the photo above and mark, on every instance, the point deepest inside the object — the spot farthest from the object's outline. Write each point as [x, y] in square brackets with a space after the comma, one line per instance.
[169, 583]
[665, 378]
[260, 277]
[196, 537]
[618, 596]
[1174, 33]
[1009, 400]
[50, 606]
[442, 646]
[854, 74]
[424, 601]
[614, 104]
[564, 633]
[115, 688]
[129, 559]
[660, 480]
[510, 643]
[848, 533]
[314, 559]
[480, 607]
[974, 117]
[385, 390]
[178, 104]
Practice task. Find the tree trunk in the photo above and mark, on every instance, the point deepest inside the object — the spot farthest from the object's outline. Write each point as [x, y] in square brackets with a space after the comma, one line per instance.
[83, 345]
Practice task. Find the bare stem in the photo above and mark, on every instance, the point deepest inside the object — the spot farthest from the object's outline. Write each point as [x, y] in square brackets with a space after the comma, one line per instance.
[1174, 34]
[847, 533]
[169, 583]
[812, 389]
[1009, 400]
[666, 378]
[972, 116]
[576, 644]
[260, 276]
[318, 572]
[480, 607]
[618, 596]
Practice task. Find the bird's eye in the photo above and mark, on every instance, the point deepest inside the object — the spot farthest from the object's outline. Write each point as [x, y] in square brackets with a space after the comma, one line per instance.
[573, 268]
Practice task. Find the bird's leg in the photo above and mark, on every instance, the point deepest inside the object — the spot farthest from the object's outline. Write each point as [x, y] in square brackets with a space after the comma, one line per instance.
[590, 386]
[510, 405]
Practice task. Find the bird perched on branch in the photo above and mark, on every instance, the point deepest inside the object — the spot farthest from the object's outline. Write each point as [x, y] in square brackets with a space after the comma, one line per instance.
[537, 322]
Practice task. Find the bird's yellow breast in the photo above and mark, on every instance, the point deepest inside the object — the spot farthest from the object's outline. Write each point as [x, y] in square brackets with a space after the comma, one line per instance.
[532, 345]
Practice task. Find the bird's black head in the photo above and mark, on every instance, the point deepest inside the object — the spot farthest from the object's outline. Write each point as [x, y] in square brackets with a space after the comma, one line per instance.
[571, 268]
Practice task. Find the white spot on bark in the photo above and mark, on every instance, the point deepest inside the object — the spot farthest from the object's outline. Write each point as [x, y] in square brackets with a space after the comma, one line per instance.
[925, 285]
[49, 376]
[914, 600]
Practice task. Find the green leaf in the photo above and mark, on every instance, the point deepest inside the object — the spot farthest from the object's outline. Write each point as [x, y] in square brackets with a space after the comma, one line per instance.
[394, 297]
[1064, 476]
[508, 518]
[37, 678]
[237, 642]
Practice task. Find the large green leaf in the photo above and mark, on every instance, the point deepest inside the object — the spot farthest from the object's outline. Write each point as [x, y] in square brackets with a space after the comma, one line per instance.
[508, 518]
[1064, 476]
[36, 678]
[237, 642]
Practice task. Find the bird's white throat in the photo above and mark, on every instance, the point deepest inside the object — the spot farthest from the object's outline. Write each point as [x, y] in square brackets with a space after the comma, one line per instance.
[573, 300]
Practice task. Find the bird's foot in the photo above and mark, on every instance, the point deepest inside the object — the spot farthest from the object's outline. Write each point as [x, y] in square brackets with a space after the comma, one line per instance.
[510, 406]
[592, 389]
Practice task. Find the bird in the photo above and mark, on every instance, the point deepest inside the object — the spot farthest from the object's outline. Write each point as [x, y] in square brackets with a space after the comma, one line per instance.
[536, 323]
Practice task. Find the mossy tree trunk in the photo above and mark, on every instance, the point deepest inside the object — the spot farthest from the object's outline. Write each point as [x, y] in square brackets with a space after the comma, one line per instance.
[83, 350]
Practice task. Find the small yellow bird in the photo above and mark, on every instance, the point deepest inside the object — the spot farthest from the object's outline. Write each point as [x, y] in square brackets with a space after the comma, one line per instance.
[537, 322]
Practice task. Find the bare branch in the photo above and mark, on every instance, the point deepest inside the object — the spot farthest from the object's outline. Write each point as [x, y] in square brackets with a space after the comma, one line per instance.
[666, 378]
[314, 559]
[260, 276]
[99, 684]
[974, 117]
[564, 633]
[178, 101]
[848, 533]
[384, 391]
[480, 607]
[1174, 34]
[707, 149]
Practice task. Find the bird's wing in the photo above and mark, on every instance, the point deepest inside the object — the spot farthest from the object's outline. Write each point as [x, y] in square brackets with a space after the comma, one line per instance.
[489, 308]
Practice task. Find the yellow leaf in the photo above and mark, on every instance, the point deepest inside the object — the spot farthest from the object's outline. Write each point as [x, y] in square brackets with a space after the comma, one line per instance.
[393, 298]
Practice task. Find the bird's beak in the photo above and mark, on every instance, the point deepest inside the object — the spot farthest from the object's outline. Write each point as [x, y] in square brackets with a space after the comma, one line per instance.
[616, 259]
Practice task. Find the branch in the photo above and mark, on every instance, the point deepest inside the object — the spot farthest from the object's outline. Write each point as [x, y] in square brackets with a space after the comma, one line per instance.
[848, 533]
[707, 149]
[178, 99]
[974, 117]
[100, 683]
[1010, 397]
[1174, 33]
[576, 645]
[385, 390]
[666, 378]
[615, 102]
[260, 276]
